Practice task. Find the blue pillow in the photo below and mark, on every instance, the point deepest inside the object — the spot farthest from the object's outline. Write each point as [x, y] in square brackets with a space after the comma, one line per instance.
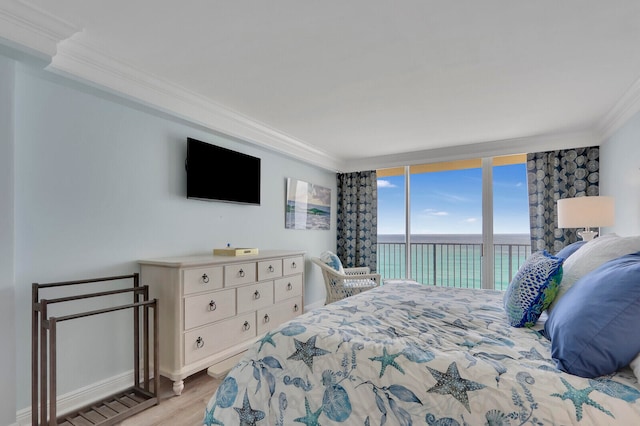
[570, 249]
[332, 260]
[532, 289]
[594, 327]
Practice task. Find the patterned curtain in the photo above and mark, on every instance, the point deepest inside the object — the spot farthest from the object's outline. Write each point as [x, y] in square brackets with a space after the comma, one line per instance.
[358, 219]
[554, 175]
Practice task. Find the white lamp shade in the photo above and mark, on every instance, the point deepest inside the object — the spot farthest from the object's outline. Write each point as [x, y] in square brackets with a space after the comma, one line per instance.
[585, 212]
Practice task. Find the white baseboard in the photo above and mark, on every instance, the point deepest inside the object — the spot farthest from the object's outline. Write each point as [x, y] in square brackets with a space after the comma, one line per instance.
[83, 396]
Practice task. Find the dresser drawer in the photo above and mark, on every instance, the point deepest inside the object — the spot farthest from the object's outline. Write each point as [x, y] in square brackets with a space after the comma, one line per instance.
[213, 338]
[202, 279]
[210, 307]
[238, 274]
[255, 296]
[292, 265]
[287, 287]
[273, 316]
[269, 269]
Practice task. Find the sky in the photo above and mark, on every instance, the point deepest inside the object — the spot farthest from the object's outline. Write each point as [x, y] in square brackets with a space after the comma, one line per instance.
[450, 202]
[306, 193]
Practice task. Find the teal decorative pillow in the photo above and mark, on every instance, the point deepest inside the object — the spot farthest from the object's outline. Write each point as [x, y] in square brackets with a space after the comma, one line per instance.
[532, 289]
[332, 260]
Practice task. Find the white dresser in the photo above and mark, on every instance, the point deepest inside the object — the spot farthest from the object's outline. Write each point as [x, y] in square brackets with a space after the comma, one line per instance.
[213, 307]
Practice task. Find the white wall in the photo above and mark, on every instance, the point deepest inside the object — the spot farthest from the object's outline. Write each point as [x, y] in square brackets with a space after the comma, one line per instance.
[620, 176]
[7, 294]
[100, 184]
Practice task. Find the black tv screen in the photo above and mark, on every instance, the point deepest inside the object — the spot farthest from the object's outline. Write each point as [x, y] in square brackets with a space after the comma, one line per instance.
[220, 174]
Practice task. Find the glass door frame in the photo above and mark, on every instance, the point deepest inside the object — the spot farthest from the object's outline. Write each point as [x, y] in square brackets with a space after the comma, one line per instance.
[488, 275]
[487, 257]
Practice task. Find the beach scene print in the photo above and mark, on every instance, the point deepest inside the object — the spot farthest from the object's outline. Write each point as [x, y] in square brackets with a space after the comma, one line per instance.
[308, 206]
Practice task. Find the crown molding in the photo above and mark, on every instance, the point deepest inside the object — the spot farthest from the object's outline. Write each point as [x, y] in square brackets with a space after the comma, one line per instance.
[626, 107]
[38, 33]
[78, 60]
[32, 29]
[43, 35]
[478, 150]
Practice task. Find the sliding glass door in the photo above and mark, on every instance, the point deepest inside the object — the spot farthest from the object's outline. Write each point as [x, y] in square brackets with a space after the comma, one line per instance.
[392, 227]
[443, 218]
[446, 223]
[511, 238]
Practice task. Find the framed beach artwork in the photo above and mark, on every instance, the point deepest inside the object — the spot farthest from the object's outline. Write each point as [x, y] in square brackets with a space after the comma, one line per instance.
[308, 206]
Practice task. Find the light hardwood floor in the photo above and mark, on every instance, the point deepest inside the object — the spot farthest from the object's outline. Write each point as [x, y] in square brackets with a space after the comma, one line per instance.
[184, 410]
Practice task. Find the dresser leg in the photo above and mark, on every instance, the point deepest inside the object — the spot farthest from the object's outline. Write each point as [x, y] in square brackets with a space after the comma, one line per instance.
[178, 386]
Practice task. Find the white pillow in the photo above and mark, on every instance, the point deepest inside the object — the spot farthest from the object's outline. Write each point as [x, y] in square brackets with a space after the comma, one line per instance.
[591, 255]
[635, 366]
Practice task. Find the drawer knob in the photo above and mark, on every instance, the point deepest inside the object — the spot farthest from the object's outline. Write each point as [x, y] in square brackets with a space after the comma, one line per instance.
[205, 278]
[241, 273]
[293, 265]
[266, 318]
[256, 295]
[212, 305]
[289, 286]
[270, 268]
[295, 308]
[246, 326]
[200, 342]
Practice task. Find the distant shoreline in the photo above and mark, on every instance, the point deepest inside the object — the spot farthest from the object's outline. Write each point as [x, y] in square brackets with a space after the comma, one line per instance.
[455, 238]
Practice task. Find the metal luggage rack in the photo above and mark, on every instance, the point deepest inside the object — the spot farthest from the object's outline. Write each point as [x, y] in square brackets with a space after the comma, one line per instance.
[114, 408]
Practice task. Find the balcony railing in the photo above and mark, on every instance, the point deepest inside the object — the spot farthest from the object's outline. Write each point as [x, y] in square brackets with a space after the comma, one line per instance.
[450, 264]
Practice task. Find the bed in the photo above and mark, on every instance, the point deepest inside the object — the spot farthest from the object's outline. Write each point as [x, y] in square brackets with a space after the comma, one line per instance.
[404, 354]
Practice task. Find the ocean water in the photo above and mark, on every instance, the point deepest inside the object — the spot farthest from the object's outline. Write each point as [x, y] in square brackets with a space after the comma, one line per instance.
[455, 238]
[307, 216]
[452, 260]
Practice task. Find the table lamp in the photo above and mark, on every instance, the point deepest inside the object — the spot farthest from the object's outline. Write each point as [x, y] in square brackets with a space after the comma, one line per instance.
[587, 213]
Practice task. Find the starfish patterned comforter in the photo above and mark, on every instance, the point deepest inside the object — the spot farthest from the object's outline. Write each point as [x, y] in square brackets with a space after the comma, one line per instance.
[408, 354]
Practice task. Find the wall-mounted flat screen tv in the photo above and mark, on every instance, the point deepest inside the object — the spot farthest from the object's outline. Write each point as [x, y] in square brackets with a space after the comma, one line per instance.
[215, 173]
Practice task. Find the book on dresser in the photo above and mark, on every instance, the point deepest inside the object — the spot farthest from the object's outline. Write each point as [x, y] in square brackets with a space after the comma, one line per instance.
[212, 308]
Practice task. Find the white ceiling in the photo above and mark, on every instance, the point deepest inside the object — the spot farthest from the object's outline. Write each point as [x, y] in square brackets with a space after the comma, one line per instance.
[354, 82]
